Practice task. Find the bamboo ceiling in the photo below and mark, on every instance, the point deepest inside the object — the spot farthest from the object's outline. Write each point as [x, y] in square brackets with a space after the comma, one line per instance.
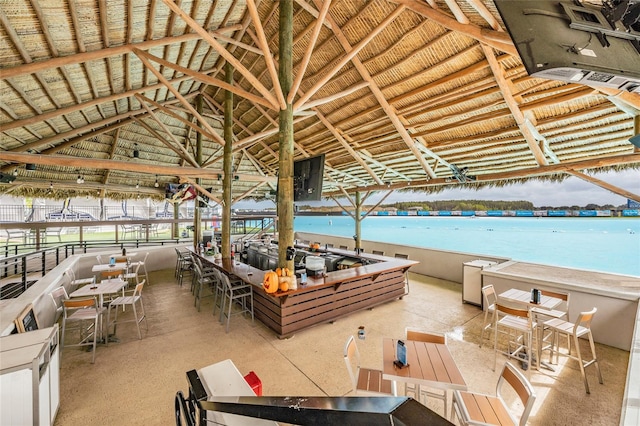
[394, 93]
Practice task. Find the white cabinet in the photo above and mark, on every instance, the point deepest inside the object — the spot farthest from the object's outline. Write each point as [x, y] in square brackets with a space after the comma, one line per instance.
[472, 281]
[29, 377]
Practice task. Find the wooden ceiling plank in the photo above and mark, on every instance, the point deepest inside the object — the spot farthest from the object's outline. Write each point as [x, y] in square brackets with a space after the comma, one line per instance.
[223, 52]
[350, 54]
[457, 12]
[313, 12]
[307, 54]
[268, 58]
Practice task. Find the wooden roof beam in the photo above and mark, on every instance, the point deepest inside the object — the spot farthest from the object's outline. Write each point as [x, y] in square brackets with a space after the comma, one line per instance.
[351, 53]
[498, 40]
[237, 65]
[320, 19]
[388, 109]
[513, 106]
[126, 166]
[264, 46]
[605, 185]
[217, 138]
[79, 58]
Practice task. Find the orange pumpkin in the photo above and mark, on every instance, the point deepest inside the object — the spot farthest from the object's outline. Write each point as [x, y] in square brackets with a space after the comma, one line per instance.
[270, 282]
[284, 283]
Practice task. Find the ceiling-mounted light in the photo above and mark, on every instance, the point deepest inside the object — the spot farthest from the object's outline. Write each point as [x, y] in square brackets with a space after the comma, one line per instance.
[136, 153]
[15, 172]
[79, 180]
[51, 185]
[156, 184]
[137, 185]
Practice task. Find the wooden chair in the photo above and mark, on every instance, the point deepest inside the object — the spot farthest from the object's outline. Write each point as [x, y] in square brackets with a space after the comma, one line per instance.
[364, 380]
[418, 391]
[582, 327]
[478, 409]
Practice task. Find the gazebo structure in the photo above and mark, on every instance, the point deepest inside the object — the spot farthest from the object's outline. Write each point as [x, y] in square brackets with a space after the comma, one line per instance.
[118, 99]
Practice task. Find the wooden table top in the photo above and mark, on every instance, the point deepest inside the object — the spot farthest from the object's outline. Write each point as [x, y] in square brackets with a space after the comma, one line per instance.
[429, 364]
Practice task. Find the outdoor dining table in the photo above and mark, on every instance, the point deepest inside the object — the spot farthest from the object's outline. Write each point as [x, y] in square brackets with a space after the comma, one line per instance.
[516, 296]
[428, 364]
[112, 286]
[101, 267]
[523, 298]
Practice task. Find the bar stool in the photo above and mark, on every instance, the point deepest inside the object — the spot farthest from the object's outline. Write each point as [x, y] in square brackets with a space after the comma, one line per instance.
[182, 256]
[185, 267]
[218, 293]
[241, 293]
[202, 278]
[582, 327]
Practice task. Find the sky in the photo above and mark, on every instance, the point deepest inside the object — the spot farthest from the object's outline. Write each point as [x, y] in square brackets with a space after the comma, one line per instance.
[572, 191]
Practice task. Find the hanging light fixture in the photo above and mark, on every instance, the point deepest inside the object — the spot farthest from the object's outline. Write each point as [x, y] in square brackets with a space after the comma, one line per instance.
[156, 184]
[15, 172]
[137, 184]
[51, 185]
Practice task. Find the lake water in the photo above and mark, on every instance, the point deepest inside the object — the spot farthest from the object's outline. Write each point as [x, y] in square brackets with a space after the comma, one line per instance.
[600, 244]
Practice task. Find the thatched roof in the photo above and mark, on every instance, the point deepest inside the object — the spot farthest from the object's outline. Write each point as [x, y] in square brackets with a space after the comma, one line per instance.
[430, 85]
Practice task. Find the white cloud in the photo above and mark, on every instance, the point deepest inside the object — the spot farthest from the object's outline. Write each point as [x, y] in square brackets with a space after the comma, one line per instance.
[573, 191]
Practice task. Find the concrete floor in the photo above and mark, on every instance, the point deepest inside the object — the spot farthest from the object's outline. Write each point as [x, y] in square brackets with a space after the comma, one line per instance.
[134, 381]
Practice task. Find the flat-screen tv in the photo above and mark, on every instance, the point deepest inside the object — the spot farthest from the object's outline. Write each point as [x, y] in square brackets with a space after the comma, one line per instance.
[307, 179]
[578, 43]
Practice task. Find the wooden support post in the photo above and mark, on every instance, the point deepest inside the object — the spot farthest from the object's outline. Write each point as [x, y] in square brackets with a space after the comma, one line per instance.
[176, 225]
[197, 232]
[358, 219]
[227, 163]
[285, 162]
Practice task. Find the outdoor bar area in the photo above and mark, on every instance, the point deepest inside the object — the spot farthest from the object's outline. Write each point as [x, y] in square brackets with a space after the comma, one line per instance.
[157, 159]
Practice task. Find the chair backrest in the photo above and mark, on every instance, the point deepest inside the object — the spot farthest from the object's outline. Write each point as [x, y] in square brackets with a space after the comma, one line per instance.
[558, 295]
[425, 336]
[584, 321]
[522, 313]
[99, 259]
[107, 275]
[145, 257]
[59, 295]
[489, 294]
[521, 386]
[352, 360]
[138, 289]
[75, 304]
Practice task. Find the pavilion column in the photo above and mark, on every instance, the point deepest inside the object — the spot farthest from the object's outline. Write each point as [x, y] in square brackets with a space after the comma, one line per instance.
[285, 162]
[197, 222]
[227, 163]
[176, 226]
[358, 219]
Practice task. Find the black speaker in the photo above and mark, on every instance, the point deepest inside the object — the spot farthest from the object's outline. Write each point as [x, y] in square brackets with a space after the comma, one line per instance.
[6, 178]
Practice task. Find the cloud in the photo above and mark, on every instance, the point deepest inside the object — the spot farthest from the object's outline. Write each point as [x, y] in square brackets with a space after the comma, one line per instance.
[573, 191]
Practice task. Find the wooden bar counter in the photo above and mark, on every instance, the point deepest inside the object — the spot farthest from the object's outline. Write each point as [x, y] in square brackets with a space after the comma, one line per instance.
[321, 299]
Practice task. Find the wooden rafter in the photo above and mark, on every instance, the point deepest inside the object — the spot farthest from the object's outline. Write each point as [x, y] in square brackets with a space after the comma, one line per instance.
[605, 185]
